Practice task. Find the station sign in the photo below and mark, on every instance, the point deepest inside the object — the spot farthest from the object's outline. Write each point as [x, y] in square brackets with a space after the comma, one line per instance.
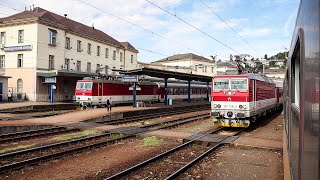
[49, 80]
[130, 79]
[17, 48]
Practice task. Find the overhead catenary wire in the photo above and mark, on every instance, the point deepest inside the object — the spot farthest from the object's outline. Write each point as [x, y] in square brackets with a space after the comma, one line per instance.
[228, 25]
[136, 25]
[227, 46]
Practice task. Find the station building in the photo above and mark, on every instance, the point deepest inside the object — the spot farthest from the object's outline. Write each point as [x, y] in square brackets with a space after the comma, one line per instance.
[39, 48]
[186, 63]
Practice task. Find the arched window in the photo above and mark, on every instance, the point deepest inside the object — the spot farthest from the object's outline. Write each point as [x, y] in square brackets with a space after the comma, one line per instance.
[19, 86]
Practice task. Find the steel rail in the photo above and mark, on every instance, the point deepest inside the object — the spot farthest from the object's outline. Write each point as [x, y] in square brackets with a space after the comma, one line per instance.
[34, 133]
[142, 117]
[197, 159]
[137, 166]
[36, 160]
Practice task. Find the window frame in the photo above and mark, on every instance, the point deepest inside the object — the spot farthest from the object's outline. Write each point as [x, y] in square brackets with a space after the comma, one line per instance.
[89, 48]
[89, 67]
[2, 61]
[20, 36]
[52, 37]
[107, 53]
[114, 55]
[20, 60]
[3, 37]
[98, 50]
[68, 43]
[79, 49]
[51, 62]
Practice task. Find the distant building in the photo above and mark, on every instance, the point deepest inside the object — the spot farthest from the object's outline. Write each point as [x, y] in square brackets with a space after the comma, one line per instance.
[187, 63]
[275, 74]
[227, 68]
[38, 48]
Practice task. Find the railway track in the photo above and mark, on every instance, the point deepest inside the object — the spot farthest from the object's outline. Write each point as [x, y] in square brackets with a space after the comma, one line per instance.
[146, 169]
[19, 159]
[148, 116]
[34, 133]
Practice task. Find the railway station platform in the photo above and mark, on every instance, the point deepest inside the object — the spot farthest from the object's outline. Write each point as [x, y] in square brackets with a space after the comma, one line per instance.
[94, 115]
[40, 106]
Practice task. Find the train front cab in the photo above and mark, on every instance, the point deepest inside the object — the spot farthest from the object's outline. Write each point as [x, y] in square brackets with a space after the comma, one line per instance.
[229, 102]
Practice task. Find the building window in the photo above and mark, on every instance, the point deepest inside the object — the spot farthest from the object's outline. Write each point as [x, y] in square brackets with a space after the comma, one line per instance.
[20, 60]
[106, 69]
[98, 68]
[88, 67]
[98, 50]
[78, 66]
[19, 86]
[107, 52]
[79, 46]
[68, 44]
[51, 62]
[89, 48]
[52, 37]
[195, 68]
[2, 61]
[121, 57]
[2, 37]
[131, 58]
[212, 69]
[114, 55]
[66, 64]
[20, 36]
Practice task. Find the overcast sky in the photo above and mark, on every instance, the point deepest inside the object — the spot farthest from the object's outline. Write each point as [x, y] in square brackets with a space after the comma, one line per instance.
[267, 25]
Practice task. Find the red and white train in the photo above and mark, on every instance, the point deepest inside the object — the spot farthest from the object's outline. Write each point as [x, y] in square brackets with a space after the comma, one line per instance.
[238, 100]
[95, 92]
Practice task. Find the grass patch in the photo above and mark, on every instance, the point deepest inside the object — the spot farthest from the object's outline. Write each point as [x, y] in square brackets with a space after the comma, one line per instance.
[116, 135]
[78, 135]
[53, 112]
[152, 141]
[15, 148]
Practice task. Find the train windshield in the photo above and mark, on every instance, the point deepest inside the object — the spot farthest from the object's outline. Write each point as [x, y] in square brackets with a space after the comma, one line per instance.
[84, 85]
[239, 84]
[221, 84]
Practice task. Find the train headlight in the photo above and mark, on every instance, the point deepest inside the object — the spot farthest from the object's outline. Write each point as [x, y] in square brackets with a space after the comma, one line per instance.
[219, 106]
[215, 106]
[89, 99]
[240, 106]
[244, 106]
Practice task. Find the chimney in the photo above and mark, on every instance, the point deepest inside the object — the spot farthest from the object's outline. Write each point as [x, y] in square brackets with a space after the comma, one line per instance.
[92, 26]
[32, 7]
[65, 15]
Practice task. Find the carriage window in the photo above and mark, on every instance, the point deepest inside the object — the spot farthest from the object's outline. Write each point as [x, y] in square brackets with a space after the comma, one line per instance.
[251, 85]
[80, 85]
[295, 78]
[239, 84]
[88, 85]
[221, 84]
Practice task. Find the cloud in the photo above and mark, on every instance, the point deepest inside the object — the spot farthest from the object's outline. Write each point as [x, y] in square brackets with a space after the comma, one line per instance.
[256, 32]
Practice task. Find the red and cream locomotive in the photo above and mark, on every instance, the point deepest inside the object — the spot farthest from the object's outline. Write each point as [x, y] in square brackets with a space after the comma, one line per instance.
[96, 91]
[238, 100]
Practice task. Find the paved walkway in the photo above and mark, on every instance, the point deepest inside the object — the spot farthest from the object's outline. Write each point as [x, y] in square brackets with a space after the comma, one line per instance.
[27, 103]
[71, 117]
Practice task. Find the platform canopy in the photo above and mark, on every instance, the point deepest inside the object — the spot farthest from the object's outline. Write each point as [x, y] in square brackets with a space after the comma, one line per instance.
[166, 74]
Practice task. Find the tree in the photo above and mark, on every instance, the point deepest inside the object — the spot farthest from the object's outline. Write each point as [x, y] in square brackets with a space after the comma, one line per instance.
[265, 56]
[280, 55]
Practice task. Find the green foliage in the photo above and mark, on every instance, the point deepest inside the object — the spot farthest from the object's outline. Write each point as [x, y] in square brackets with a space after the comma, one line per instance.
[280, 55]
[116, 135]
[15, 148]
[152, 141]
[78, 135]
